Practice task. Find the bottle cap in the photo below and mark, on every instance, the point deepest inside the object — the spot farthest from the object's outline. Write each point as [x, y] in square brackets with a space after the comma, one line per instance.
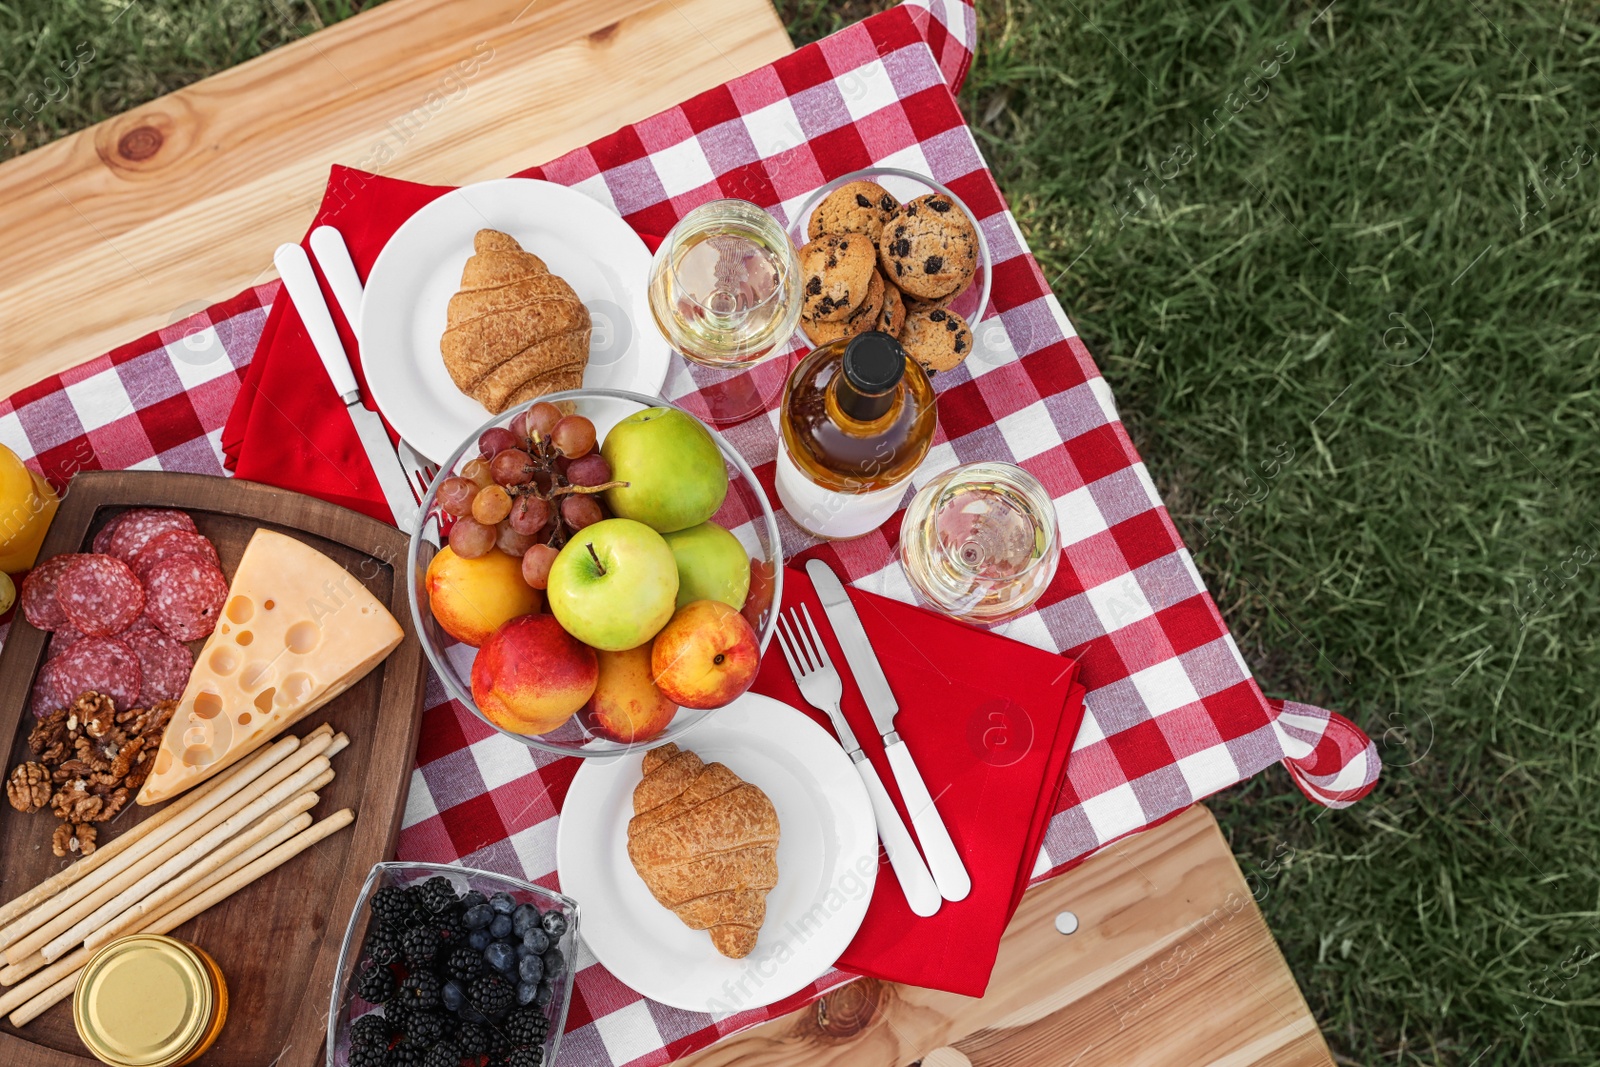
[874, 362]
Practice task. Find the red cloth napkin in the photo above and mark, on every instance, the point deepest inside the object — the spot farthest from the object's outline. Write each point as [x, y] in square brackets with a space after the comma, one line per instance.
[990, 722]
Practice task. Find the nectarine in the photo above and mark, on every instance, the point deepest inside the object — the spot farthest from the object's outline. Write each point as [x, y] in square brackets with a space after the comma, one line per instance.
[531, 675]
[705, 656]
[627, 706]
[471, 597]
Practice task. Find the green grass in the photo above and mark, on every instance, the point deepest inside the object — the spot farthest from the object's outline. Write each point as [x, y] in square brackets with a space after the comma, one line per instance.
[1377, 267]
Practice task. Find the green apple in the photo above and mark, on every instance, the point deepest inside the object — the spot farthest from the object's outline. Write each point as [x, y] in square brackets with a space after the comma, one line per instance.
[613, 585]
[712, 565]
[675, 474]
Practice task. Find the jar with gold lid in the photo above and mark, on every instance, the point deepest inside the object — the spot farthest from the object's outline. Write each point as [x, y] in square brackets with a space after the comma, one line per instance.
[149, 1001]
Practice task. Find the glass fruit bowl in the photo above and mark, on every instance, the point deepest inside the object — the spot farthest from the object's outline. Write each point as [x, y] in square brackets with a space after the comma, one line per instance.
[906, 185]
[419, 905]
[744, 512]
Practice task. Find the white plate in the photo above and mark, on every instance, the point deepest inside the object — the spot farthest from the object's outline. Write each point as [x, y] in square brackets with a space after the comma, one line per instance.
[403, 312]
[827, 864]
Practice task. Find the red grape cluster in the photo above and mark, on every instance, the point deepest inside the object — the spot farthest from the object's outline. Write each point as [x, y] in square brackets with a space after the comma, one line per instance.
[531, 486]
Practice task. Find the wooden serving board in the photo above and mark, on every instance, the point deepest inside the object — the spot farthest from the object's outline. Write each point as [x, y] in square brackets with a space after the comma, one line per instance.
[277, 940]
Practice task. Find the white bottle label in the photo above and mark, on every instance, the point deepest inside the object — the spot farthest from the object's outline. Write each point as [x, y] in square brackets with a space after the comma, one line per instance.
[827, 512]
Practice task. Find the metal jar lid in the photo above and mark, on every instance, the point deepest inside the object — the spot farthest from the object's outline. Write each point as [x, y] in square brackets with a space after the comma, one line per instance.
[144, 1001]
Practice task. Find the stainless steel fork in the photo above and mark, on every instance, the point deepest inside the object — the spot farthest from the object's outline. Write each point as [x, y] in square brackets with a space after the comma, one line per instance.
[820, 684]
[420, 470]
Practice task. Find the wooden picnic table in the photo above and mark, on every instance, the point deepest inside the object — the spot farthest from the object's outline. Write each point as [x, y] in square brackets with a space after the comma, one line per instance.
[153, 215]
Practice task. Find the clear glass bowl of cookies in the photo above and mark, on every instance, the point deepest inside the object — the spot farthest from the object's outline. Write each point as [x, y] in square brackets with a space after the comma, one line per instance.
[450, 600]
[899, 307]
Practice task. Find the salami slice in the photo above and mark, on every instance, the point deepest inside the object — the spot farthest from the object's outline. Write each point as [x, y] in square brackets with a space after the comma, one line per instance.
[185, 596]
[165, 664]
[102, 540]
[174, 543]
[139, 526]
[48, 691]
[99, 595]
[98, 664]
[39, 604]
[61, 640]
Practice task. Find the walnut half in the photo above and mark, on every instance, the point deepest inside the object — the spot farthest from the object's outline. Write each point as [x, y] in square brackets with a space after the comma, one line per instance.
[73, 839]
[29, 786]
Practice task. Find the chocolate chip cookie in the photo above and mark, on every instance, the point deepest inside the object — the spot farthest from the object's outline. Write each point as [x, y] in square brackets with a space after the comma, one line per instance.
[854, 207]
[894, 311]
[837, 270]
[937, 338]
[867, 316]
[929, 248]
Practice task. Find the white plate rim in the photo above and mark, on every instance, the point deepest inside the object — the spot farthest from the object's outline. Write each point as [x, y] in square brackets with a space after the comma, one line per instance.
[626, 257]
[752, 713]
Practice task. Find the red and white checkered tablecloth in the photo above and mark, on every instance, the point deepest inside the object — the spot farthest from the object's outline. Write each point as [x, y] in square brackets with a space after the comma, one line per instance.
[1173, 714]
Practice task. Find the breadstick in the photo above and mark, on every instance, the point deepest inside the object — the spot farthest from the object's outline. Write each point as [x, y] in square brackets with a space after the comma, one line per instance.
[193, 875]
[195, 905]
[70, 964]
[171, 858]
[158, 848]
[26, 912]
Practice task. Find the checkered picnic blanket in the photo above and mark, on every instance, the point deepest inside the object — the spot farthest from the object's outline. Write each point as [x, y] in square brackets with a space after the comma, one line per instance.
[1173, 714]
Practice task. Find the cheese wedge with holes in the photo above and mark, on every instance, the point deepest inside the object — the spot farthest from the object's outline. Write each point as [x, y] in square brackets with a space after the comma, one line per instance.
[296, 631]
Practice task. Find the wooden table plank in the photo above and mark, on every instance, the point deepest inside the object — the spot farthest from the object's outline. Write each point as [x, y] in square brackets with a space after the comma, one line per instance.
[1171, 964]
[148, 217]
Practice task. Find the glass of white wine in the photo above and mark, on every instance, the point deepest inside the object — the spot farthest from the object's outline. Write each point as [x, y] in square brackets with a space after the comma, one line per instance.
[725, 293]
[980, 542]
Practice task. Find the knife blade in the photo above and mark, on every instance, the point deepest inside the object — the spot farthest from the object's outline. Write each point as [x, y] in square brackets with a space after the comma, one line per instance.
[944, 862]
[295, 268]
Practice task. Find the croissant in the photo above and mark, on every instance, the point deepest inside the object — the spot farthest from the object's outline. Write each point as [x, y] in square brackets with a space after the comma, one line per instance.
[515, 331]
[705, 842]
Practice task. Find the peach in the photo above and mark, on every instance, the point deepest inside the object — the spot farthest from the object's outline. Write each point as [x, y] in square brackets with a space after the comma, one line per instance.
[531, 675]
[705, 656]
[758, 601]
[627, 706]
[470, 598]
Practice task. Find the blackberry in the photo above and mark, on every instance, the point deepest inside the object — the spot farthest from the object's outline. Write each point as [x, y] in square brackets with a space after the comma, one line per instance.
[376, 984]
[473, 1039]
[444, 1054]
[532, 1056]
[383, 946]
[406, 1053]
[449, 927]
[491, 994]
[420, 991]
[527, 1026]
[463, 964]
[392, 906]
[369, 1055]
[420, 944]
[370, 1029]
[436, 895]
[425, 1028]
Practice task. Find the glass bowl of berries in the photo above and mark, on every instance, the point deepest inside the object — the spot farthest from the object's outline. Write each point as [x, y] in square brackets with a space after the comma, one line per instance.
[442, 965]
[595, 570]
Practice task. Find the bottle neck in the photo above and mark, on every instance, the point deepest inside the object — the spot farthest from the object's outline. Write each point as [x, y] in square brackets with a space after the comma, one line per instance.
[858, 406]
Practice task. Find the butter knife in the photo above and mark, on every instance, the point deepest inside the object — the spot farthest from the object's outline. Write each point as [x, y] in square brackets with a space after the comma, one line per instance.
[298, 278]
[944, 862]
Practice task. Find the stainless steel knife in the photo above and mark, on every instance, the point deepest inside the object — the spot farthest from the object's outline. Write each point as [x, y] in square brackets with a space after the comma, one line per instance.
[949, 873]
[295, 267]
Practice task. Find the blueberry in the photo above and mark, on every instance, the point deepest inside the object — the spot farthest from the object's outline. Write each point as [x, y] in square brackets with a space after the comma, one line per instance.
[500, 927]
[472, 898]
[525, 918]
[547, 993]
[555, 924]
[502, 903]
[477, 917]
[555, 964]
[526, 992]
[523, 951]
[537, 940]
[452, 995]
[478, 940]
[501, 956]
[530, 968]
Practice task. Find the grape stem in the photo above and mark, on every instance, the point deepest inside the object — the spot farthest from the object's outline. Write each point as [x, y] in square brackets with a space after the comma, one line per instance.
[590, 546]
[563, 490]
